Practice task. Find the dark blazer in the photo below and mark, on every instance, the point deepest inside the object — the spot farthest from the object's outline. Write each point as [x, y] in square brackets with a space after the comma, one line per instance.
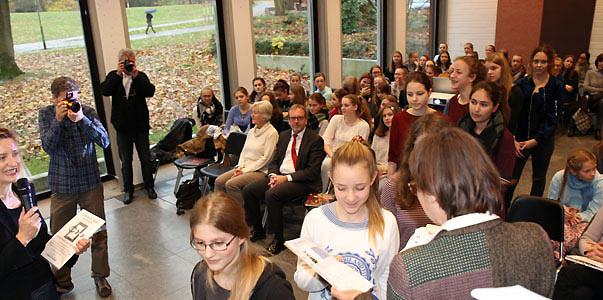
[309, 159]
[129, 113]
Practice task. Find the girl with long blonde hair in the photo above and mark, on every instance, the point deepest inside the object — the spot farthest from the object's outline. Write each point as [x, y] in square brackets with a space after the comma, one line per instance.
[230, 268]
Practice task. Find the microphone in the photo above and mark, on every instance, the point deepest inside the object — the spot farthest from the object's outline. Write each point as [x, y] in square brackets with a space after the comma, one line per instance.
[27, 193]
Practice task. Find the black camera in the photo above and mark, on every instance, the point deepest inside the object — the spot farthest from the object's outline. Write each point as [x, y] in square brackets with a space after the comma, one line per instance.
[128, 66]
[72, 103]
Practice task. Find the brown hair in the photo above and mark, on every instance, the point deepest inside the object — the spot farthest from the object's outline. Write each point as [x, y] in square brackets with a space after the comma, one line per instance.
[574, 163]
[241, 90]
[356, 152]
[225, 214]
[319, 98]
[63, 84]
[351, 85]
[463, 178]
[393, 66]
[497, 95]
[375, 67]
[506, 77]
[362, 111]
[426, 124]
[276, 108]
[340, 93]
[6, 133]
[550, 58]
[475, 68]
[419, 77]
[382, 129]
[299, 94]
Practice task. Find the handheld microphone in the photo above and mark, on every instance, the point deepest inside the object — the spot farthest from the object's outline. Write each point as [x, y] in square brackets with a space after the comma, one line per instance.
[27, 193]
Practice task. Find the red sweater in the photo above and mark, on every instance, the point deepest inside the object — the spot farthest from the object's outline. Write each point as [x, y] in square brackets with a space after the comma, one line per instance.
[503, 155]
[398, 134]
[456, 111]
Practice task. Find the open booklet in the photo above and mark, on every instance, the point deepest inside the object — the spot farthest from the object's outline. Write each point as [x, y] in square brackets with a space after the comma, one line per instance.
[328, 267]
[61, 247]
[583, 260]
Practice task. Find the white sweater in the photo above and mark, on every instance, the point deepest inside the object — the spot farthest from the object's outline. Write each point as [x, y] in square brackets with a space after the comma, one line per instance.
[349, 240]
[259, 148]
[338, 133]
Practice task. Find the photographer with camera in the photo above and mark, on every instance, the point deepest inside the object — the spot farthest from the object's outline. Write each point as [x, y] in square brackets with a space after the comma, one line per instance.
[69, 131]
[129, 89]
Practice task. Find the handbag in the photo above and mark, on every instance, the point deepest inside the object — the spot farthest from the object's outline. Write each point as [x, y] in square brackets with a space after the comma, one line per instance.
[187, 195]
[582, 120]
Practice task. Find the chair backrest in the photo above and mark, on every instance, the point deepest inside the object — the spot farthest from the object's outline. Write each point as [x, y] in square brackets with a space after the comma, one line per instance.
[545, 212]
[234, 147]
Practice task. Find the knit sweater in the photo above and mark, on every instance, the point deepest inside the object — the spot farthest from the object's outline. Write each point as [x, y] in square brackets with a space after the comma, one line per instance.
[258, 149]
[351, 242]
[593, 83]
[339, 133]
[594, 232]
[487, 254]
[584, 195]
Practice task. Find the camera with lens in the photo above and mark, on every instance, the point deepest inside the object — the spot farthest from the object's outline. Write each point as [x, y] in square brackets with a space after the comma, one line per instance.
[128, 66]
[72, 103]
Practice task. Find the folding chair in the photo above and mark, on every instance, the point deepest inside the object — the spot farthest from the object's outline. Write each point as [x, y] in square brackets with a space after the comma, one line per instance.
[232, 151]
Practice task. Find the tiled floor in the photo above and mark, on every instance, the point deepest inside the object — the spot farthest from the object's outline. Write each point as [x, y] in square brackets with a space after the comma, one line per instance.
[149, 254]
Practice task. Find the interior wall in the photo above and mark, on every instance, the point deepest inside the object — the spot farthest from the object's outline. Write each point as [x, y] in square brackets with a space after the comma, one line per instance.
[567, 25]
[470, 21]
[596, 36]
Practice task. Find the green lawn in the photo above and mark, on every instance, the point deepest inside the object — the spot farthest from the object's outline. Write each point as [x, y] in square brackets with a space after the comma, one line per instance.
[65, 24]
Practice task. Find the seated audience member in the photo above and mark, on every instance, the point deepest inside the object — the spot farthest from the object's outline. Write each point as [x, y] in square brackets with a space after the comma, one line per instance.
[397, 62]
[320, 81]
[351, 84]
[490, 49]
[255, 156]
[486, 122]
[442, 47]
[395, 195]
[391, 100]
[576, 281]
[459, 189]
[209, 110]
[422, 61]
[398, 86]
[498, 71]
[293, 173]
[259, 87]
[444, 63]
[579, 186]
[382, 89]
[230, 268]
[376, 71]
[297, 95]
[23, 234]
[413, 61]
[517, 68]
[281, 93]
[297, 79]
[239, 115]
[336, 101]
[593, 85]
[570, 80]
[354, 228]
[583, 65]
[418, 89]
[318, 118]
[465, 72]
[277, 115]
[380, 144]
[341, 129]
[557, 66]
[468, 48]
[366, 86]
[432, 71]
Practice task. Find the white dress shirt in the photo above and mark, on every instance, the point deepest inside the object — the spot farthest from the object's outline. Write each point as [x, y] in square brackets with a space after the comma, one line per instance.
[287, 166]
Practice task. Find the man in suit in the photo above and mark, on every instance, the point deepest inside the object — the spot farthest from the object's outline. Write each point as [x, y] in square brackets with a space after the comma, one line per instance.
[293, 173]
[129, 89]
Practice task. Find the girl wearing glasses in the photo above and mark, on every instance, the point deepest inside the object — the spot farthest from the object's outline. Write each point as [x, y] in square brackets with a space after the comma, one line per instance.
[230, 269]
[459, 190]
[354, 228]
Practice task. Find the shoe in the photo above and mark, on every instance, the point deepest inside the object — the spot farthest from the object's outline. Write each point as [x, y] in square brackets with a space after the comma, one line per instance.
[151, 193]
[128, 197]
[276, 247]
[257, 235]
[64, 288]
[102, 287]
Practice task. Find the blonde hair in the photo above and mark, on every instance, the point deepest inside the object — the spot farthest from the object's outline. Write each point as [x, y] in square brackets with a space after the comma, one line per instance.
[357, 152]
[222, 212]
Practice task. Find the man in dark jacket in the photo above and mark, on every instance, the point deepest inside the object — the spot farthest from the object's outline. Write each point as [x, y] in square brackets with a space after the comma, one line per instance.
[129, 89]
[293, 173]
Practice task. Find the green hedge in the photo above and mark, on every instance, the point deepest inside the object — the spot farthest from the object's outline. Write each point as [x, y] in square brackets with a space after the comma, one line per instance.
[264, 46]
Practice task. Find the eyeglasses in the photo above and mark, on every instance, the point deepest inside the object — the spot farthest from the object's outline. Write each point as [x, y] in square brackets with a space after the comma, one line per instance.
[296, 118]
[216, 246]
[412, 187]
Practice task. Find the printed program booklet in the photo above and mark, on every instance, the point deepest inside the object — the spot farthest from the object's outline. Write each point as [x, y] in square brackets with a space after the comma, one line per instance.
[583, 260]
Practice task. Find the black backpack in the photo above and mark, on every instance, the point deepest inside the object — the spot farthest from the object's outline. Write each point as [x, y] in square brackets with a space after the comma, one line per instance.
[187, 195]
[180, 132]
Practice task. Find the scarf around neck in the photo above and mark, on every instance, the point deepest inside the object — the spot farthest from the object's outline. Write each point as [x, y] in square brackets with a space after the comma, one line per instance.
[491, 135]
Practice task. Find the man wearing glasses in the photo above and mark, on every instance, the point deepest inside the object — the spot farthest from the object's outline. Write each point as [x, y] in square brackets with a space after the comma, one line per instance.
[293, 173]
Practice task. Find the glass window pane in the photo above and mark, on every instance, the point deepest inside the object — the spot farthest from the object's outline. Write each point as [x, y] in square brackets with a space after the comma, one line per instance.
[418, 27]
[175, 44]
[65, 55]
[359, 44]
[281, 40]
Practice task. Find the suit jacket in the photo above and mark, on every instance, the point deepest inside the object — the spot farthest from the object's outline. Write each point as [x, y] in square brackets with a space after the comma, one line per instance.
[309, 159]
[129, 113]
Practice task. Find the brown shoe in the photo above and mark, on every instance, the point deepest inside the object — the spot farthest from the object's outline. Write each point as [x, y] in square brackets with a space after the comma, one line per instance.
[102, 287]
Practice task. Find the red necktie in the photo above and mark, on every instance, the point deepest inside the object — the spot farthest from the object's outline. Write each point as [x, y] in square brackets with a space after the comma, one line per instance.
[293, 152]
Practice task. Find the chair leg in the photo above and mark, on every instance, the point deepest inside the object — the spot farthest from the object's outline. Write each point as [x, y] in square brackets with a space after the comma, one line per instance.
[205, 185]
[178, 178]
[265, 217]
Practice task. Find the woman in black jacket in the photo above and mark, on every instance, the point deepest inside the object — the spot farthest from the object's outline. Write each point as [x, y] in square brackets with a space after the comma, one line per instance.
[230, 268]
[24, 274]
[209, 110]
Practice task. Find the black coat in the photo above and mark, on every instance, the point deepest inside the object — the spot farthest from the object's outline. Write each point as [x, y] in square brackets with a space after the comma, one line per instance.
[129, 113]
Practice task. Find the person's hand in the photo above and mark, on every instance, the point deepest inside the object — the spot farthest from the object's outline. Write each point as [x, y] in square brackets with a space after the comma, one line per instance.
[529, 144]
[134, 72]
[595, 252]
[518, 149]
[81, 246]
[75, 117]
[121, 70]
[569, 88]
[60, 110]
[277, 179]
[365, 91]
[29, 225]
[345, 295]
[571, 215]
[237, 172]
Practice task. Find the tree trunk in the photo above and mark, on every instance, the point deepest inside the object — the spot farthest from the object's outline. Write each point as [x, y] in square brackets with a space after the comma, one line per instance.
[8, 66]
[279, 7]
